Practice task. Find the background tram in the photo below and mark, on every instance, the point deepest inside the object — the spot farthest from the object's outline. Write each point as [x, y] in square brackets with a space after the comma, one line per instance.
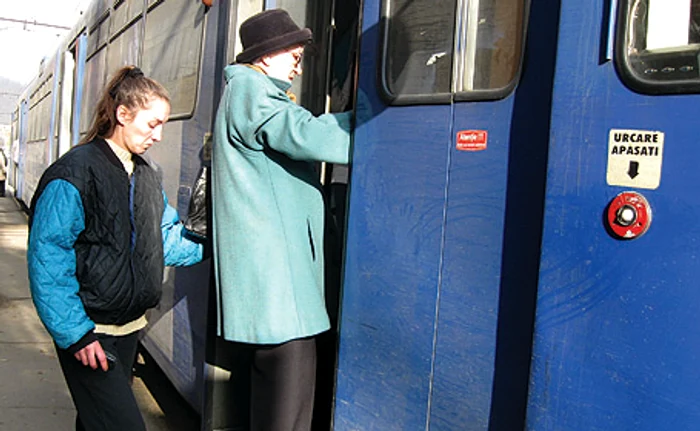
[495, 261]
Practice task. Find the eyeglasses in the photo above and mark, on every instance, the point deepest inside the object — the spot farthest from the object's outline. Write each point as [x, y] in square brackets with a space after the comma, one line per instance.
[298, 56]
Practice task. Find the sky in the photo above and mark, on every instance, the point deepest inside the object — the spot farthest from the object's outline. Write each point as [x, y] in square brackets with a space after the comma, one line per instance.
[22, 46]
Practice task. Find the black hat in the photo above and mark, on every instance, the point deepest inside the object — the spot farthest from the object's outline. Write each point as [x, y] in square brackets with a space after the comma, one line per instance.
[269, 31]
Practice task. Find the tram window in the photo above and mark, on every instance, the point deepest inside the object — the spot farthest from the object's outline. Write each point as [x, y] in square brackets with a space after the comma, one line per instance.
[15, 124]
[311, 86]
[124, 49]
[94, 72]
[658, 45]
[492, 45]
[125, 12]
[470, 48]
[418, 46]
[172, 50]
[93, 83]
[96, 11]
[98, 37]
[45, 117]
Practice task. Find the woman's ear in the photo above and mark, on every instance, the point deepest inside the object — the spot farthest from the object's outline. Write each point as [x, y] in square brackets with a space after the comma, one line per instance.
[123, 115]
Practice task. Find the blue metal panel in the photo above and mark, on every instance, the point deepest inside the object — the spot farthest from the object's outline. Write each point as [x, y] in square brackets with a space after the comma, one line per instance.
[392, 264]
[469, 295]
[438, 301]
[394, 235]
[617, 340]
[491, 253]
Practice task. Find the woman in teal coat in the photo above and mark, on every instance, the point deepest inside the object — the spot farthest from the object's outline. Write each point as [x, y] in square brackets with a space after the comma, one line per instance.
[268, 219]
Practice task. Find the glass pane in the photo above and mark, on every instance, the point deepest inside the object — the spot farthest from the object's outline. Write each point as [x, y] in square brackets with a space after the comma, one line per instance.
[94, 81]
[662, 41]
[124, 13]
[172, 47]
[419, 46]
[45, 113]
[310, 87]
[492, 44]
[96, 11]
[98, 37]
[123, 50]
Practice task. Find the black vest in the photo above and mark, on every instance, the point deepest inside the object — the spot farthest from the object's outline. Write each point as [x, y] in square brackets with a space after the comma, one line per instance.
[120, 252]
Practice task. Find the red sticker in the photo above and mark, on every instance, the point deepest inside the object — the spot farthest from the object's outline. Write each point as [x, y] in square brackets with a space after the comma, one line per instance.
[472, 140]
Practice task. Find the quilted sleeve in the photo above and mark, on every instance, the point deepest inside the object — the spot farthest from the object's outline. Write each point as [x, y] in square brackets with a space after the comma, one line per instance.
[179, 249]
[51, 263]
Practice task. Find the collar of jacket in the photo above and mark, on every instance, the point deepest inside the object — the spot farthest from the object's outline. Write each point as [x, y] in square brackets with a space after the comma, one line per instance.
[104, 147]
[282, 85]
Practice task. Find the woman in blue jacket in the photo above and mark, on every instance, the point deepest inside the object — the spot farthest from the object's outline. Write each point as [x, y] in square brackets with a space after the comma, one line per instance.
[101, 231]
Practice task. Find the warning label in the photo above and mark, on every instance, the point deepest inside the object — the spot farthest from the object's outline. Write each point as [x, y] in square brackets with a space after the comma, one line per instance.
[472, 140]
[635, 158]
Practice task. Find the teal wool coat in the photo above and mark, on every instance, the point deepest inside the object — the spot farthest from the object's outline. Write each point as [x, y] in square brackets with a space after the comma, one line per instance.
[268, 209]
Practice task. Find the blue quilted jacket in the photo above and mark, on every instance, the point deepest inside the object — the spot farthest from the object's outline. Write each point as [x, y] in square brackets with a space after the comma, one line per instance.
[62, 278]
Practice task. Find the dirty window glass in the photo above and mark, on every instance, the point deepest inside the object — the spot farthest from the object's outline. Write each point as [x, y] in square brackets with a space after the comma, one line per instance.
[172, 50]
[124, 49]
[452, 46]
[92, 86]
[419, 39]
[491, 44]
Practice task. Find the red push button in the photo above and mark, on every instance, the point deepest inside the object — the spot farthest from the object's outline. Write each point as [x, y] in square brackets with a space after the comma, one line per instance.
[629, 215]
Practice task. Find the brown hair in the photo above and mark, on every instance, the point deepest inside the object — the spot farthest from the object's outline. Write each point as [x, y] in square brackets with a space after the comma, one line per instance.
[132, 89]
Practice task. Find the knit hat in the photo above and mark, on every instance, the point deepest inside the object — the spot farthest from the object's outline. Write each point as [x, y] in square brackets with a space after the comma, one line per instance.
[269, 31]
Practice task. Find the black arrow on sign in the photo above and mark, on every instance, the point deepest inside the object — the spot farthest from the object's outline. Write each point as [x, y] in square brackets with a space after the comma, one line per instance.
[633, 170]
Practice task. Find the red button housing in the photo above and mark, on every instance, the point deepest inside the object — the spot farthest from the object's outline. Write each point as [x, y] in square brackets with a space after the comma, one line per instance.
[629, 215]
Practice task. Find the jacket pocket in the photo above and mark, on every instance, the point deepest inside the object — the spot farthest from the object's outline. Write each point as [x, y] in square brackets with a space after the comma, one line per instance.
[311, 240]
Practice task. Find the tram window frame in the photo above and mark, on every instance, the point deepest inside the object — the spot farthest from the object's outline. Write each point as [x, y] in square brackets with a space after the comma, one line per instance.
[460, 54]
[125, 13]
[96, 12]
[98, 36]
[124, 48]
[387, 60]
[93, 82]
[629, 65]
[180, 109]
[312, 86]
[14, 124]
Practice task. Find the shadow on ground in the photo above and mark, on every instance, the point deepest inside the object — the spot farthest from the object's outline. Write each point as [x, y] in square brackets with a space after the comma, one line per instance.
[172, 412]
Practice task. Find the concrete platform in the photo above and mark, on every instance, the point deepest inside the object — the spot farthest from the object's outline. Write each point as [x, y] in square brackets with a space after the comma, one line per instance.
[33, 394]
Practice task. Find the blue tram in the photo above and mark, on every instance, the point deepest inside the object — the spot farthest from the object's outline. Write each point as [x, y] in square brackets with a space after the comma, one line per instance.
[514, 243]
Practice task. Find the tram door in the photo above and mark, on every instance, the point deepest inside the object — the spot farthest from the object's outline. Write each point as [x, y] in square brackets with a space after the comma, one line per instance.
[426, 292]
[617, 338]
[326, 85]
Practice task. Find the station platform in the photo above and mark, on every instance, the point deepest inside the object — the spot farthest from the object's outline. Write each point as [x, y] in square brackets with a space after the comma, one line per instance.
[33, 394]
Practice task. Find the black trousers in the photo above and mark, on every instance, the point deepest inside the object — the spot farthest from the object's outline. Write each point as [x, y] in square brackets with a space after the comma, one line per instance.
[274, 385]
[104, 399]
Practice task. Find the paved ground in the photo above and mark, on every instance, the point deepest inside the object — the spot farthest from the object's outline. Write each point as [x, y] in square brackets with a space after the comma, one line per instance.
[33, 395]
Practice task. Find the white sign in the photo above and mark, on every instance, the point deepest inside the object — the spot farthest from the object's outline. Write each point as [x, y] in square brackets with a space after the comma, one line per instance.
[635, 158]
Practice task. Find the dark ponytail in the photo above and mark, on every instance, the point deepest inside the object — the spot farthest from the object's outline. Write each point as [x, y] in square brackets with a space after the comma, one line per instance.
[132, 89]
